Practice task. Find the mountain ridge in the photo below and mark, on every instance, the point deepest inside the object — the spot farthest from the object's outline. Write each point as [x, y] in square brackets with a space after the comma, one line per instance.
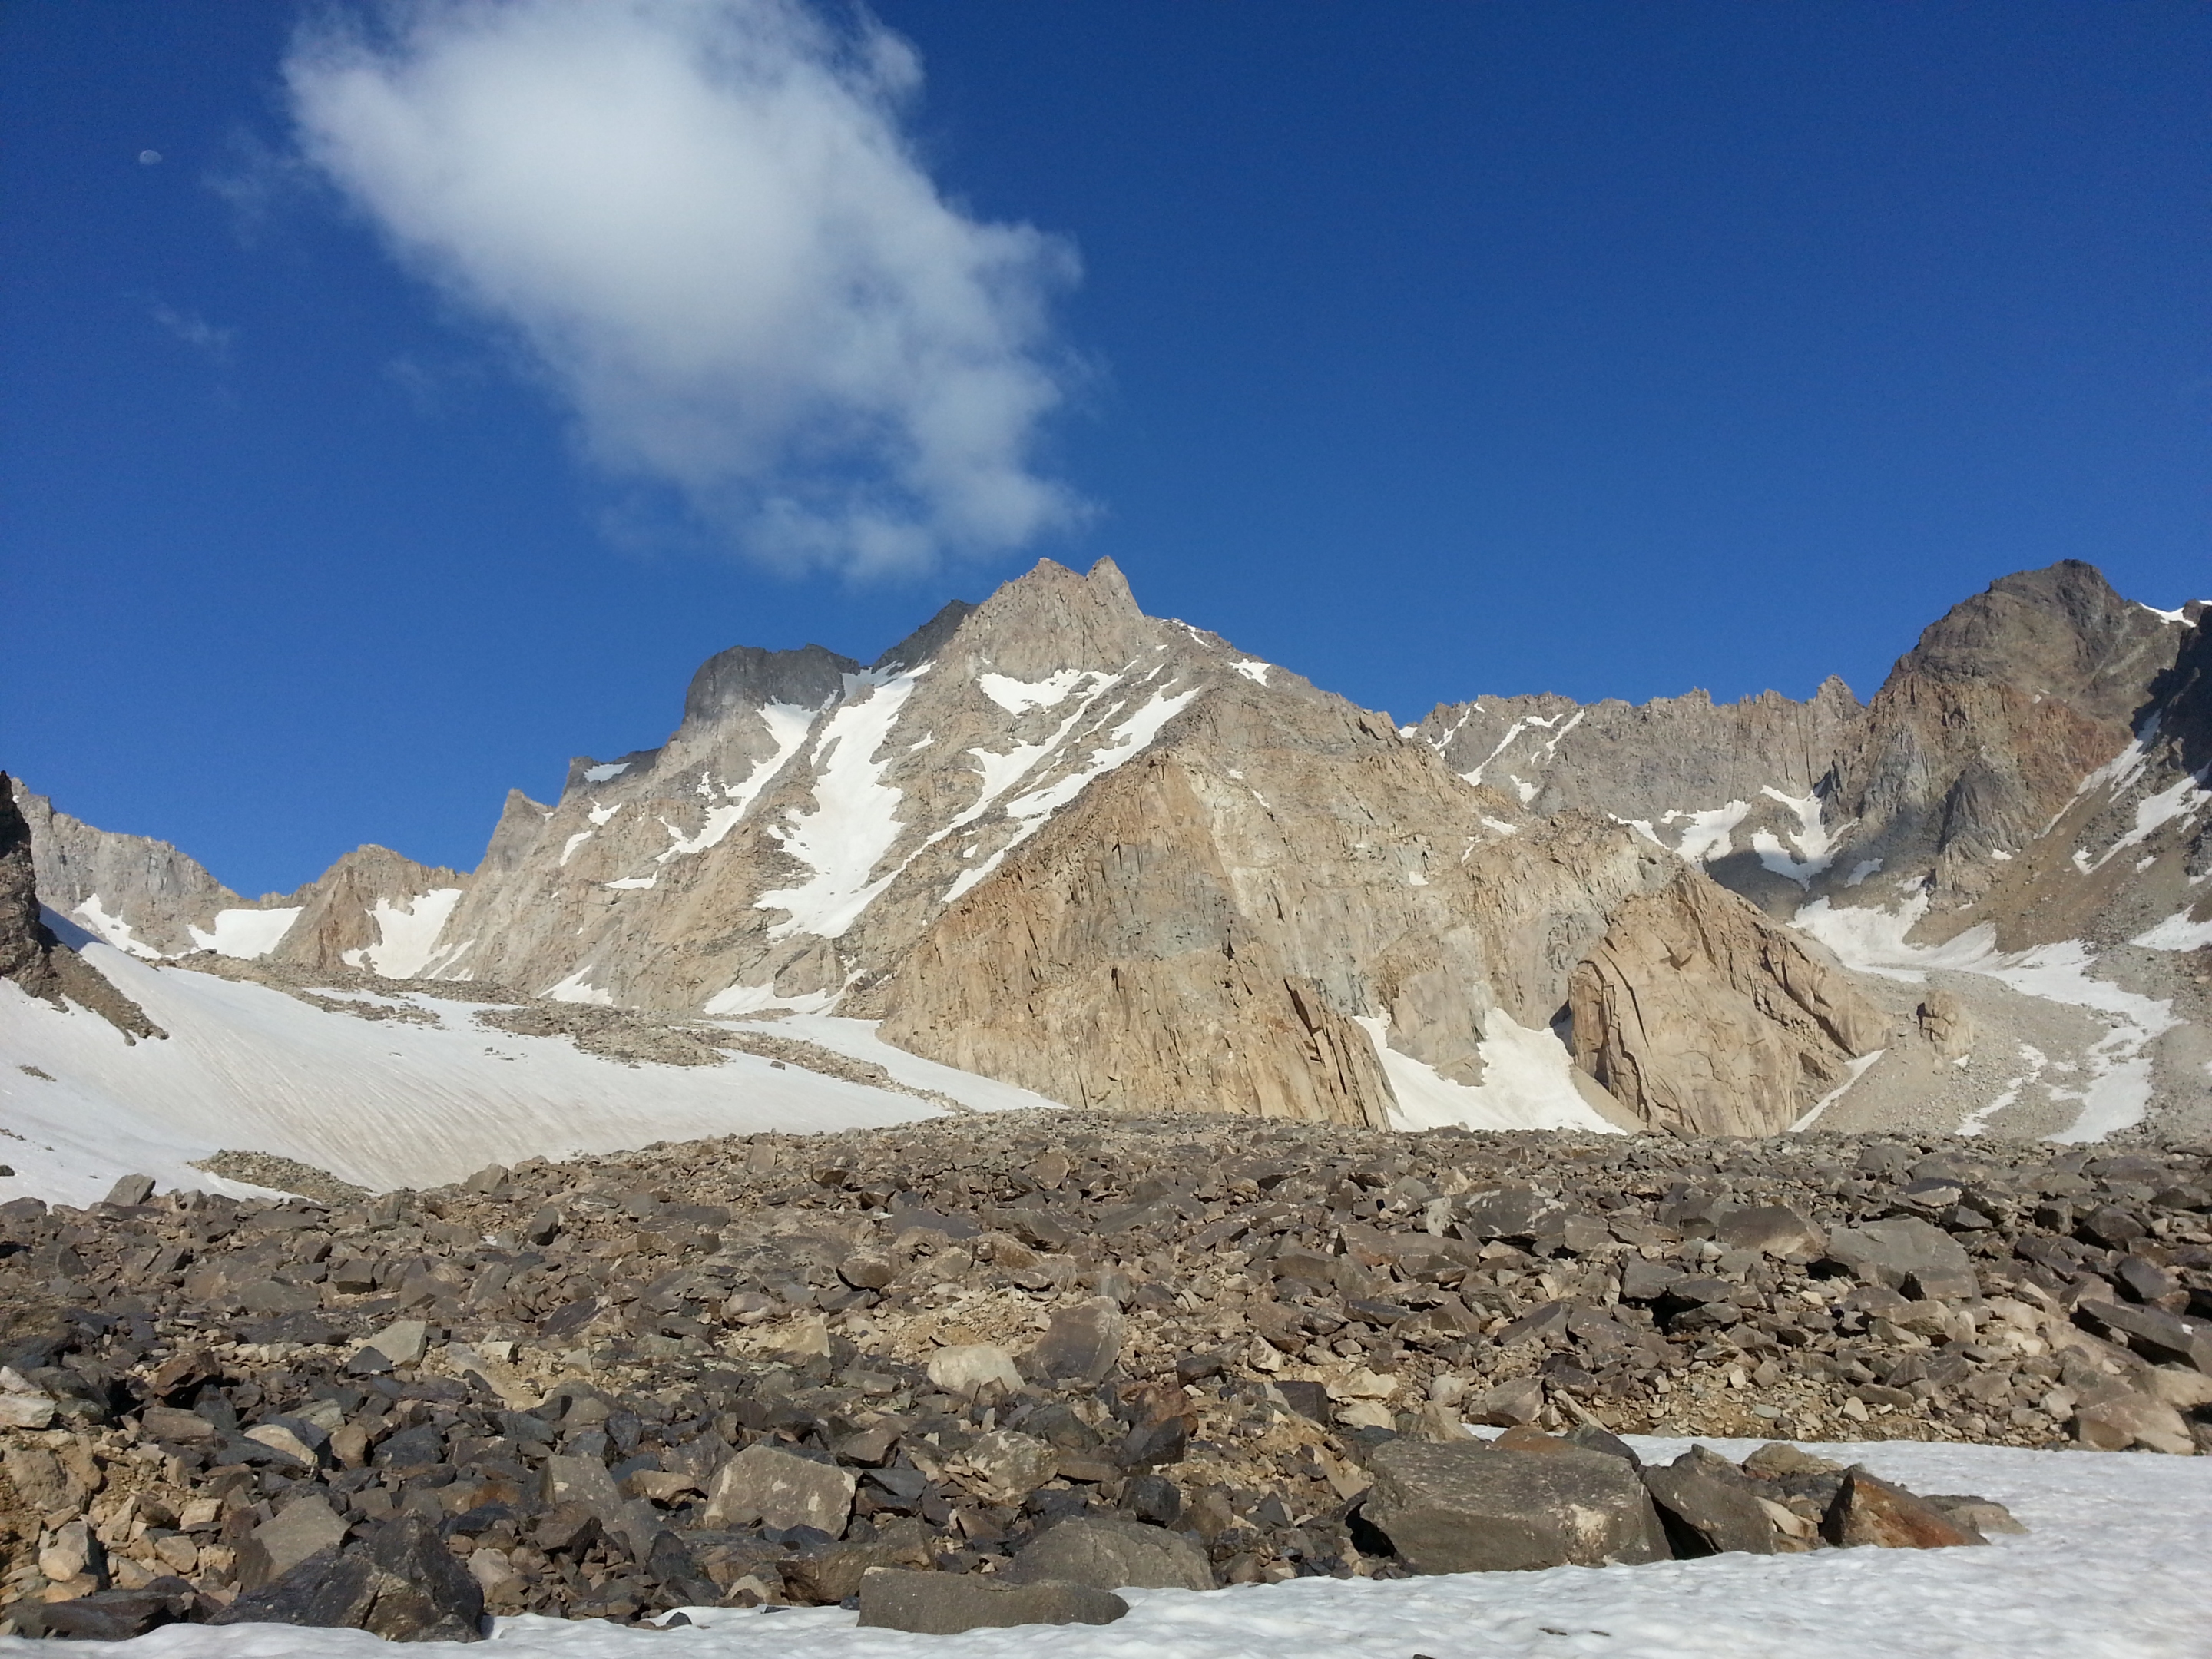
[1104, 855]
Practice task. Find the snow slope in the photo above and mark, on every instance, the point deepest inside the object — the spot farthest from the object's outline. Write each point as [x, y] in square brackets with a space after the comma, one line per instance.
[1526, 1083]
[2111, 1569]
[2118, 1092]
[380, 1102]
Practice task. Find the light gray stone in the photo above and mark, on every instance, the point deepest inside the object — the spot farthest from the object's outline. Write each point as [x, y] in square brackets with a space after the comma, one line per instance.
[946, 1603]
[1109, 1554]
[304, 1527]
[1472, 1509]
[1905, 1253]
[771, 1488]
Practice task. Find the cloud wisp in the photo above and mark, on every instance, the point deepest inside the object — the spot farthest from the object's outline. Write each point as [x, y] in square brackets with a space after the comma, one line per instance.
[703, 221]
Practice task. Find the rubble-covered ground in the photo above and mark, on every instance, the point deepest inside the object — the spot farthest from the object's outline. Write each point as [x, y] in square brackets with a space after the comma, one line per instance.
[971, 1329]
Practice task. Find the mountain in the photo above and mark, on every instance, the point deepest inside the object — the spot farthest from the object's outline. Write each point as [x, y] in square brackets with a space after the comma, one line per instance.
[1052, 841]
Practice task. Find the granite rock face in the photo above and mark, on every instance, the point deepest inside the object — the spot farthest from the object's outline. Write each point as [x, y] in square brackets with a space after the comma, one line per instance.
[1704, 1017]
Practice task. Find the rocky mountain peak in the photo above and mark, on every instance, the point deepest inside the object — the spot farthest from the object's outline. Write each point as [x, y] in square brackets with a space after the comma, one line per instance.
[1050, 620]
[2059, 632]
[744, 677]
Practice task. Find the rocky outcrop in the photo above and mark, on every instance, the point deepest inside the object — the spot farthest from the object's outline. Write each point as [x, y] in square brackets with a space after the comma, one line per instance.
[374, 909]
[1705, 1017]
[1984, 730]
[30, 955]
[131, 890]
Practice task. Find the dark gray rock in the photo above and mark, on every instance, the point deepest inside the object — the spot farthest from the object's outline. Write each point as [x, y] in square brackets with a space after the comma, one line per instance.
[1108, 1554]
[404, 1585]
[1468, 1507]
[1708, 1505]
[1904, 1253]
[1081, 1345]
[2158, 1334]
[104, 1615]
[1513, 1213]
[304, 1526]
[944, 1603]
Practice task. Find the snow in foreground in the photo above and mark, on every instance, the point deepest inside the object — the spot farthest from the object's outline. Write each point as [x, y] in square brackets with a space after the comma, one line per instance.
[2112, 1569]
[380, 1102]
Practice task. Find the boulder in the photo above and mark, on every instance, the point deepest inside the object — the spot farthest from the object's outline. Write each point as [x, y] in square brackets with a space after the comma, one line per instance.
[1008, 1467]
[113, 1615]
[304, 1527]
[2158, 1334]
[764, 1486]
[1470, 1508]
[1507, 1213]
[404, 1585]
[2117, 1418]
[1904, 1253]
[963, 1370]
[1081, 1345]
[1773, 1228]
[1708, 1505]
[131, 1190]
[1868, 1510]
[946, 1603]
[1520, 1401]
[1109, 1554]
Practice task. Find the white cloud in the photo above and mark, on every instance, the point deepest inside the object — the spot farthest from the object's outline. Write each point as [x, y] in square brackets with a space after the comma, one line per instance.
[196, 332]
[705, 223]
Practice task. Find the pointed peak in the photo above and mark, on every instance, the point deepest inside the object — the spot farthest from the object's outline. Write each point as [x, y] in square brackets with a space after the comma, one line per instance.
[1107, 574]
[926, 641]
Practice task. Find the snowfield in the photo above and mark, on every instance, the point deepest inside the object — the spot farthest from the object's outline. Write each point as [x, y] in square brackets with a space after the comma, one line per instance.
[2112, 1568]
[380, 1102]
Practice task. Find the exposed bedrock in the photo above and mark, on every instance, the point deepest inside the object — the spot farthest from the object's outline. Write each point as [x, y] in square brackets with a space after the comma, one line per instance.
[1704, 1017]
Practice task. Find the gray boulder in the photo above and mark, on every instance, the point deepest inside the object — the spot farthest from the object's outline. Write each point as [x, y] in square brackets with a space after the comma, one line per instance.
[1080, 1346]
[946, 1603]
[1468, 1508]
[1705, 1496]
[1108, 1554]
[2162, 1335]
[780, 1489]
[1904, 1253]
[1774, 1229]
[404, 1585]
[304, 1526]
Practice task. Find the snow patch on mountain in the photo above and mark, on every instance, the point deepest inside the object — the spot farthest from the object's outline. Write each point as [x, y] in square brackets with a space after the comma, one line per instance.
[854, 821]
[248, 935]
[2118, 1091]
[578, 987]
[113, 929]
[1816, 847]
[1526, 1083]
[2177, 932]
[407, 933]
[1018, 696]
[1036, 808]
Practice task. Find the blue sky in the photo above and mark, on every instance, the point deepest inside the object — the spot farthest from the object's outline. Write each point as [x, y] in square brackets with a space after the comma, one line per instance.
[372, 451]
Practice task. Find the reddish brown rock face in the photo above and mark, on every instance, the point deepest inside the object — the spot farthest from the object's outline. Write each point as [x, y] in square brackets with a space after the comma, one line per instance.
[1870, 1511]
